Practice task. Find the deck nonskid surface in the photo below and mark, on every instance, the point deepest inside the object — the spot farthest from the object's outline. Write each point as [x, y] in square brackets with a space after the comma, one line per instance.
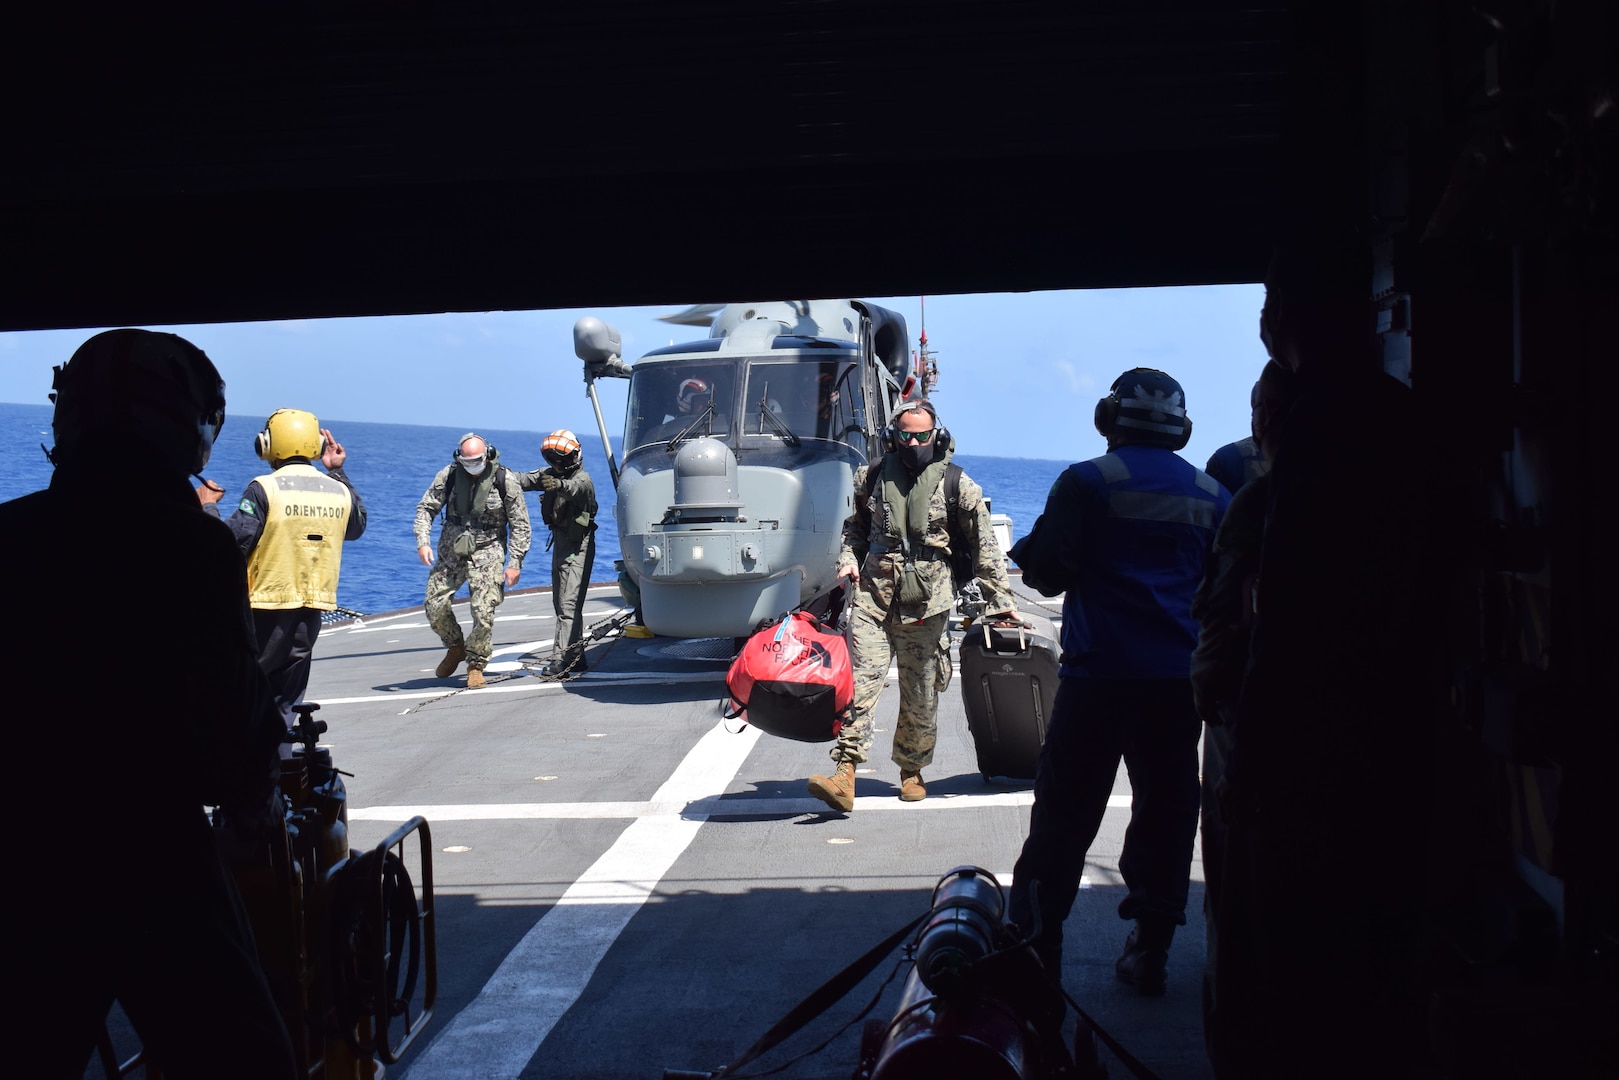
[628, 882]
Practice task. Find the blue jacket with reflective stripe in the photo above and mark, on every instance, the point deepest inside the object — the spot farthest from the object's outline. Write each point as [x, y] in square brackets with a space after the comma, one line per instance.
[1126, 536]
[1236, 463]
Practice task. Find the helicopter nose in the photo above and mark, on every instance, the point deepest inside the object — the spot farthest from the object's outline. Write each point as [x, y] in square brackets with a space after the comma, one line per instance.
[705, 482]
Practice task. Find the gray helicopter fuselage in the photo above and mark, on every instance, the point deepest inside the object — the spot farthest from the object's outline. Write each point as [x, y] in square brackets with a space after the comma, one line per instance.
[739, 459]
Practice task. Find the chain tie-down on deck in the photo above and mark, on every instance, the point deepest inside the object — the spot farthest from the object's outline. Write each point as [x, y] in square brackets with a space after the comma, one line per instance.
[612, 626]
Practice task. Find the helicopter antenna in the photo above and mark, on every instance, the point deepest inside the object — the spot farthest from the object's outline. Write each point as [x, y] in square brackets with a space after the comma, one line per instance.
[927, 362]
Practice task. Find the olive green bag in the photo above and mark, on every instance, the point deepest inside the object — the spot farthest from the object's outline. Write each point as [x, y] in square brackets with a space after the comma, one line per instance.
[912, 589]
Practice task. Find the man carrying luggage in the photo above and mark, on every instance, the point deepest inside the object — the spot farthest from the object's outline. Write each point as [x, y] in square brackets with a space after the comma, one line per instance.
[896, 556]
[1125, 536]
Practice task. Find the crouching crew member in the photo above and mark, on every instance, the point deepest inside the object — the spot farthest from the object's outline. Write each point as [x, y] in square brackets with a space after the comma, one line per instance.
[485, 518]
[1126, 537]
[568, 508]
[291, 525]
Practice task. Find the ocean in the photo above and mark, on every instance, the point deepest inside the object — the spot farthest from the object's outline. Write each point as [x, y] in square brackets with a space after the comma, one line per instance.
[391, 466]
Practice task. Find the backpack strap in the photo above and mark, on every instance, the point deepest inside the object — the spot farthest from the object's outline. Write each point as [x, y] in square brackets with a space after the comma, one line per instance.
[961, 560]
[952, 502]
[874, 471]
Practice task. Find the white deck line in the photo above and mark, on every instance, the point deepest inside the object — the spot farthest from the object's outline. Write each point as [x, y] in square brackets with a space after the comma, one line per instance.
[700, 809]
[526, 684]
[465, 624]
[496, 1036]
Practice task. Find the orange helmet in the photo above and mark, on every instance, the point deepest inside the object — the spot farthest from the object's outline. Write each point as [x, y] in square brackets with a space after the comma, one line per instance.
[561, 449]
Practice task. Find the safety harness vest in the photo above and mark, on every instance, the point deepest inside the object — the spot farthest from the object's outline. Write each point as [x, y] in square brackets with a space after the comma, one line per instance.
[296, 561]
[1147, 519]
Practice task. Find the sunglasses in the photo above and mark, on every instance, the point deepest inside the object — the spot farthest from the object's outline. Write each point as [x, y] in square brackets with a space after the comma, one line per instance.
[916, 436]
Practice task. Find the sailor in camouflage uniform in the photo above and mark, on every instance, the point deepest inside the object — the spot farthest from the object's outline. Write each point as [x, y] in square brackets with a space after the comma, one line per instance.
[896, 545]
[568, 508]
[482, 503]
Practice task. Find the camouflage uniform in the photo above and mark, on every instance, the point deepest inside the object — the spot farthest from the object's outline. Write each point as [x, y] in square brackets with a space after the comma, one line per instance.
[503, 510]
[570, 511]
[883, 628]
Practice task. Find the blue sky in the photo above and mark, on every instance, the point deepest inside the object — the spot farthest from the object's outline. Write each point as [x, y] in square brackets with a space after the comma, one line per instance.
[1019, 372]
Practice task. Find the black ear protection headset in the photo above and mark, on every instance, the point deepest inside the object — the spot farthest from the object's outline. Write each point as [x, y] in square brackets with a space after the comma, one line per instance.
[1107, 411]
[111, 375]
[1106, 416]
[891, 439]
[490, 453]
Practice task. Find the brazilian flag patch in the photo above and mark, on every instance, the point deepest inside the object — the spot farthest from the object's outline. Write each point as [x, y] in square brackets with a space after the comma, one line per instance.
[246, 507]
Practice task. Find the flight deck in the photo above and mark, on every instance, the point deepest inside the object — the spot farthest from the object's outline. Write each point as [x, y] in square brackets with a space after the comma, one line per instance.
[626, 881]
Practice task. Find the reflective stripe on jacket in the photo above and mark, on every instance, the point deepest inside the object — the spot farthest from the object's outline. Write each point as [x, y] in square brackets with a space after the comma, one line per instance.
[296, 561]
[1127, 536]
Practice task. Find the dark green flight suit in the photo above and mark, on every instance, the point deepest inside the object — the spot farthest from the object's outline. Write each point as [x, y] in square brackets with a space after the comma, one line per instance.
[570, 511]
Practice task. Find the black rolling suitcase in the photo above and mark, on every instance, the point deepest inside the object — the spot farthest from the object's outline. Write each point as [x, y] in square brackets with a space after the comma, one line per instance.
[1008, 684]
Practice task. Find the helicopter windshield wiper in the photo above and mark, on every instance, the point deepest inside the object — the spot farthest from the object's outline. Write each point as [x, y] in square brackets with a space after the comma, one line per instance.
[706, 414]
[776, 422]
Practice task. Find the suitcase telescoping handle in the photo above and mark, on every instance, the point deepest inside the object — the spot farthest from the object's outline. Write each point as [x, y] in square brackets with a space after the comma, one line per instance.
[990, 642]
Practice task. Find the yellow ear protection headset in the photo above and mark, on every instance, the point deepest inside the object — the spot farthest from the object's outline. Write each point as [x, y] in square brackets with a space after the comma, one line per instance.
[290, 433]
[891, 439]
[1147, 407]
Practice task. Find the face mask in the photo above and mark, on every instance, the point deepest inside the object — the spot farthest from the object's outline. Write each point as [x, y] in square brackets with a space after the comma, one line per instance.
[915, 457]
[473, 467]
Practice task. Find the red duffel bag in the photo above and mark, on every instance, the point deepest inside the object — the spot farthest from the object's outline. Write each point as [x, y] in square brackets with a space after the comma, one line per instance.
[792, 679]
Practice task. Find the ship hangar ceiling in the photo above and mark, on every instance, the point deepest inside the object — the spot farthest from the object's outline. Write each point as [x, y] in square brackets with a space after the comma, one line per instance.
[277, 161]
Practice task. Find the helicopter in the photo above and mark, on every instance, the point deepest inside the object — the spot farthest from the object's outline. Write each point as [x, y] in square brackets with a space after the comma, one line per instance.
[740, 451]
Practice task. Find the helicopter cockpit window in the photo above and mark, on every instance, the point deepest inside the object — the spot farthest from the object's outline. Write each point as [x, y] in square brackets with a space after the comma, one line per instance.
[687, 399]
[798, 400]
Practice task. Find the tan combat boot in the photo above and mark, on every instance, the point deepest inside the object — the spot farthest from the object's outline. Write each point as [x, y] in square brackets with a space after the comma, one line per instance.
[452, 660]
[837, 790]
[910, 786]
[475, 679]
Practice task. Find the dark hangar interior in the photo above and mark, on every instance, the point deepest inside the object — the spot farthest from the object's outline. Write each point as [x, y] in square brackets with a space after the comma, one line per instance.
[238, 162]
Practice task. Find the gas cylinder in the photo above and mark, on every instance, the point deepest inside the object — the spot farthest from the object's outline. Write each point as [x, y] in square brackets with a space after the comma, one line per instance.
[321, 793]
[299, 886]
[932, 1036]
[975, 1002]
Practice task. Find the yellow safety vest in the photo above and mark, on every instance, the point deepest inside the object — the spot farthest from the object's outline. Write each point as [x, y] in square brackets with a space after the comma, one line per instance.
[296, 560]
